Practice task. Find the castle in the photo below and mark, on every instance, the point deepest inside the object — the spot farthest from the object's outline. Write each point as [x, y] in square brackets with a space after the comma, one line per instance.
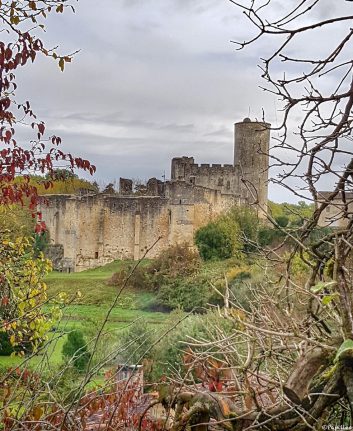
[95, 229]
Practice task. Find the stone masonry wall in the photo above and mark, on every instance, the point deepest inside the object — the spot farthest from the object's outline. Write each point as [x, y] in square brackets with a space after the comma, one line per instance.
[251, 154]
[98, 229]
[216, 177]
[337, 214]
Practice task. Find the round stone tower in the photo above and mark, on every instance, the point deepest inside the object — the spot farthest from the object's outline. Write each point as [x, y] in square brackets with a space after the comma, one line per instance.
[251, 149]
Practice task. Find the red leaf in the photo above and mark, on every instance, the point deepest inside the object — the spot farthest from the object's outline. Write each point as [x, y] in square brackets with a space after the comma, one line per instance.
[41, 128]
[8, 53]
[5, 300]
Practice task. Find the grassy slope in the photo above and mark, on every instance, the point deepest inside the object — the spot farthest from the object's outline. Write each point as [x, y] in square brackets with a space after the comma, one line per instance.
[91, 308]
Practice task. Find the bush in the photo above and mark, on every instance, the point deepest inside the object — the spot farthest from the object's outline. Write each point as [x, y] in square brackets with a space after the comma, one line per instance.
[75, 350]
[41, 243]
[214, 242]
[239, 287]
[5, 346]
[268, 235]
[247, 227]
[23, 294]
[235, 233]
[186, 294]
[66, 385]
[229, 235]
[178, 260]
[168, 353]
[282, 220]
[135, 343]
[136, 281]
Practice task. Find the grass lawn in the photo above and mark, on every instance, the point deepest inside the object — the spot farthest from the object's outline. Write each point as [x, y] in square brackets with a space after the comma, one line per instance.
[93, 286]
[90, 309]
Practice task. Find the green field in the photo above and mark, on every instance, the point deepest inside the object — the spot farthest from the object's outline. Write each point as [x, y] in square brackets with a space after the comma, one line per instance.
[89, 300]
[88, 310]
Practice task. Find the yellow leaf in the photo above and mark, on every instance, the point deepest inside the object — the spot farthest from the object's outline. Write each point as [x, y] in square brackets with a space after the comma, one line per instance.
[15, 20]
[224, 407]
[37, 413]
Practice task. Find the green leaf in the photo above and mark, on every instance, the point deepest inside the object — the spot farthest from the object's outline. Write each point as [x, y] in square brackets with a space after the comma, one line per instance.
[321, 285]
[345, 347]
[329, 298]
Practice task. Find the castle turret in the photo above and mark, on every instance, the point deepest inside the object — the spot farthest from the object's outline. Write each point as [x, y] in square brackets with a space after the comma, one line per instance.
[251, 149]
[181, 167]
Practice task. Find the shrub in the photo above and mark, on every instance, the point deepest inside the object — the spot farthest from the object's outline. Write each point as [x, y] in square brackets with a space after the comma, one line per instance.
[178, 260]
[137, 280]
[240, 292]
[214, 242]
[268, 235]
[75, 350]
[135, 344]
[282, 220]
[23, 294]
[5, 346]
[186, 294]
[41, 242]
[168, 353]
[67, 384]
[229, 235]
[245, 224]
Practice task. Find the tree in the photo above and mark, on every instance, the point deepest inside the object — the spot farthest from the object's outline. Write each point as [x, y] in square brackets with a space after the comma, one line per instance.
[75, 350]
[290, 356]
[24, 321]
[21, 22]
[214, 242]
[230, 234]
[23, 293]
[109, 189]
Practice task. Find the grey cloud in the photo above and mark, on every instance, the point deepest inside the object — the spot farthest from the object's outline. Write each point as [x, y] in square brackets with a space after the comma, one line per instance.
[153, 80]
[117, 119]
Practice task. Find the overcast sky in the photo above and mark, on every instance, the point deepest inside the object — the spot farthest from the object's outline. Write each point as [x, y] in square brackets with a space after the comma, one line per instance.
[154, 79]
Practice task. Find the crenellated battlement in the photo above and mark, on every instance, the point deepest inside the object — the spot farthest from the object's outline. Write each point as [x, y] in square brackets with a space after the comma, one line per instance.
[95, 229]
[213, 166]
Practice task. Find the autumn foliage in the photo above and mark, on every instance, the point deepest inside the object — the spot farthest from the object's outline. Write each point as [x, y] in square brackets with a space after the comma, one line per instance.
[42, 153]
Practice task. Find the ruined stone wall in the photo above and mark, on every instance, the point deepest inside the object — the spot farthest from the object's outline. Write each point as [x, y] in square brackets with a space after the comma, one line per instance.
[337, 214]
[192, 207]
[223, 178]
[98, 229]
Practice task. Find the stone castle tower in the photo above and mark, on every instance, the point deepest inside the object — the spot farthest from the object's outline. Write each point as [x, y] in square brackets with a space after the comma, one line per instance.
[251, 159]
[92, 230]
[246, 178]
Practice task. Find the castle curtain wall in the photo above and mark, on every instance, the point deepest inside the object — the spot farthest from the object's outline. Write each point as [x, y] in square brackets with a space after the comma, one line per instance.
[93, 230]
[96, 230]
